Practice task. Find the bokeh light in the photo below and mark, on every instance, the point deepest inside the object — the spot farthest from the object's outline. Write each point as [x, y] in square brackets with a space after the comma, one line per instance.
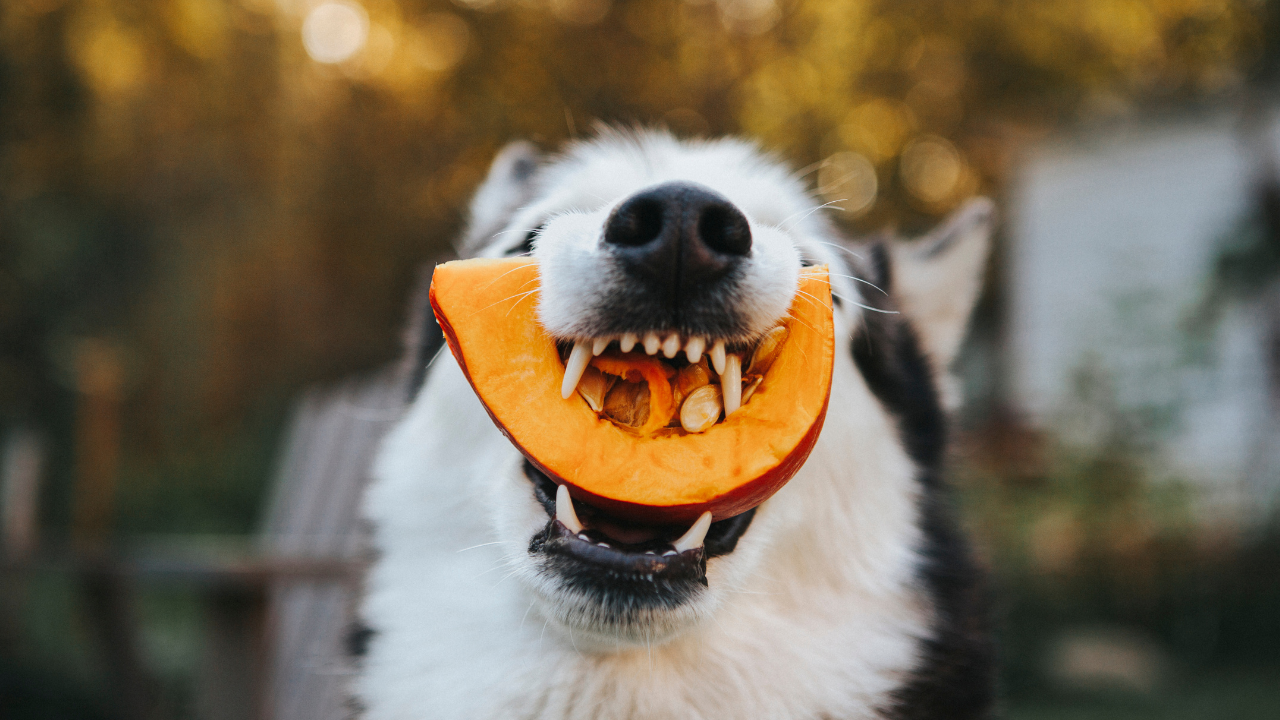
[750, 17]
[580, 12]
[931, 169]
[111, 55]
[440, 41]
[848, 181]
[878, 128]
[335, 31]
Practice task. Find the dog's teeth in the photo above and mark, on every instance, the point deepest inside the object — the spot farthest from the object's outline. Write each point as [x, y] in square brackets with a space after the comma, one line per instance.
[573, 369]
[695, 536]
[564, 510]
[583, 536]
[717, 357]
[600, 344]
[671, 346]
[628, 341]
[731, 384]
[650, 552]
[652, 343]
[669, 553]
[694, 349]
[604, 544]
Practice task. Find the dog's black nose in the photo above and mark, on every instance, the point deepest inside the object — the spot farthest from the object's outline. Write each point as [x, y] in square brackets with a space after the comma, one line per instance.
[678, 235]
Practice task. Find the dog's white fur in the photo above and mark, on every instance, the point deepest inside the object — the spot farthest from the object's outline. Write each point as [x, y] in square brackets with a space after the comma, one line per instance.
[815, 614]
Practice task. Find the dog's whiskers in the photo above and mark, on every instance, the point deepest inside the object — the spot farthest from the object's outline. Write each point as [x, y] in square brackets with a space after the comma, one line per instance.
[526, 614]
[852, 277]
[505, 299]
[807, 212]
[837, 246]
[473, 547]
[517, 303]
[491, 282]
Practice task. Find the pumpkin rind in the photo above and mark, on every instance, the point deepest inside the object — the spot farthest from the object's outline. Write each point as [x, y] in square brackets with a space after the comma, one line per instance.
[488, 311]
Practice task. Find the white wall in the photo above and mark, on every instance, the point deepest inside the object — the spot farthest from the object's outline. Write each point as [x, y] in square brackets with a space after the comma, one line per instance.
[1113, 239]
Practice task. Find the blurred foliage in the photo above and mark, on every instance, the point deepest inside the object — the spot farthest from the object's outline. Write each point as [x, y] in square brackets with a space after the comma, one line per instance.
[1093, 544]
[181, 181]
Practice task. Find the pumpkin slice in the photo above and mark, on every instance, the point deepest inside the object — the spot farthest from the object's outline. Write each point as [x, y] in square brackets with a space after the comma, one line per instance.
[651, 473]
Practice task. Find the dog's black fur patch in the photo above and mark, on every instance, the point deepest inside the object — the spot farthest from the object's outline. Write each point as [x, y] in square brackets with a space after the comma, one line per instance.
[424, 338]
[955, 678]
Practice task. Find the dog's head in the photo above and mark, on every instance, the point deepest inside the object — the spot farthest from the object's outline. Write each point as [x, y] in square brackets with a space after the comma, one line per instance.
[687, 247]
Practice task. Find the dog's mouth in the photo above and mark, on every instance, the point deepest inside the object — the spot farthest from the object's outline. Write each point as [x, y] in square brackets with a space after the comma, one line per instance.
[660, 557]
[665, 383]
[651, 384]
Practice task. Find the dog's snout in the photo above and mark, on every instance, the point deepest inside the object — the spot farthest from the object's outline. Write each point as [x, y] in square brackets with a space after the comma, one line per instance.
[680, 235]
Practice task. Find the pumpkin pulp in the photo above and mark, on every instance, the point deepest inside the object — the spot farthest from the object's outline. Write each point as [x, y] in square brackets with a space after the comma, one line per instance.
[488, 311]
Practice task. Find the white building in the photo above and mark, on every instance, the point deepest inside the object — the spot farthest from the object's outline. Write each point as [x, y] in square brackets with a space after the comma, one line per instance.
[1114, 236]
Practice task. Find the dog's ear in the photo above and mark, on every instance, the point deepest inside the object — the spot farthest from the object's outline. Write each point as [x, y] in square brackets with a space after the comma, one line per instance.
[936, 279]
[508, 186]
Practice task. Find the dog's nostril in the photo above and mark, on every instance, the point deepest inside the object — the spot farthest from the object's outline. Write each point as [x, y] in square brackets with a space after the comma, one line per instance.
[636, 222]
[723, 229]
[681, 240]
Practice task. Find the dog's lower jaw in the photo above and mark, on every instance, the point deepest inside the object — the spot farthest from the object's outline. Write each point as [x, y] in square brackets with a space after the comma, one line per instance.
[588, 626]
[614, 606]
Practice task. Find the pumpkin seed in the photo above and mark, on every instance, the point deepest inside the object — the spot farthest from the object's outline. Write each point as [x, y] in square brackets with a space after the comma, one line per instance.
[701, 409]
[594, 386]
[749, 388]
[627, 403]
[690, 378]
[767, 351]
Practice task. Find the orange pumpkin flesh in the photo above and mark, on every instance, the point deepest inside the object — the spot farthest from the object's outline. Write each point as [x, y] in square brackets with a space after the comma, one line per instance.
[488, 311]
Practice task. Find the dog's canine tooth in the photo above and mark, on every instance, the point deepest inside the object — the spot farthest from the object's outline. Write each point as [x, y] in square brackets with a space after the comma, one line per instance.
[565, 512]
[652, 343]
[671, 345]
[731, 384]
[717, 357]
[696, 534]
[573, 369]
[628, 341]
[600, 344]
[694, 349]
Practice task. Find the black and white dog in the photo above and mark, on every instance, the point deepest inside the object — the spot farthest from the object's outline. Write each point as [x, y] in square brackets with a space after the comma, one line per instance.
[848, 594]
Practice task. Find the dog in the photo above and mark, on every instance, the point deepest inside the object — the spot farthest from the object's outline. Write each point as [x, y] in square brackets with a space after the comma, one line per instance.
[850, 593]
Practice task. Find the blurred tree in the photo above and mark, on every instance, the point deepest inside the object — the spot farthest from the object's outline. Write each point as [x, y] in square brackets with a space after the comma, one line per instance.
[235, 193]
